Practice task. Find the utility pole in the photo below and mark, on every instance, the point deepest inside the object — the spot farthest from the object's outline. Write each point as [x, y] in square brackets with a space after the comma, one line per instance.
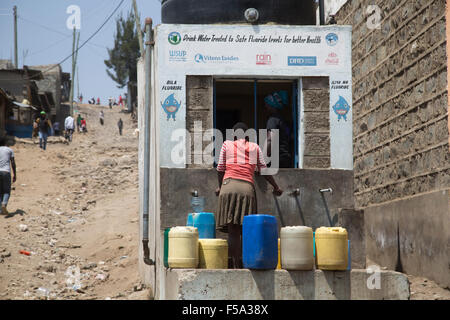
[78, 77]
[16, 60]
[138, 28]
[74, 63]
[73, 72]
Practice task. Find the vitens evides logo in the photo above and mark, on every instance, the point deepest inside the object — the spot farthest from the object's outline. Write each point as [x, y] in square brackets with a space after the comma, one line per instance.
[202, 58]
[332, 39]
[174, 38]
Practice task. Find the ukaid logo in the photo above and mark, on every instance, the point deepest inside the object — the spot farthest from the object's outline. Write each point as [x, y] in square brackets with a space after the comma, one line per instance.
[332, 59]
[201, 58]
[332, 39]
[302, 61]
[174, 38]
[177, 55]
[263, 59]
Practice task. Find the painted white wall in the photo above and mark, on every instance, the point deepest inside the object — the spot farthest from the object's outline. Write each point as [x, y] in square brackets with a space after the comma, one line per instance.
[228, 51]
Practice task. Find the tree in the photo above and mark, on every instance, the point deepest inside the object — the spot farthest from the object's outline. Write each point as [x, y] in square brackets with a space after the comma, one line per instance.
[123, 57]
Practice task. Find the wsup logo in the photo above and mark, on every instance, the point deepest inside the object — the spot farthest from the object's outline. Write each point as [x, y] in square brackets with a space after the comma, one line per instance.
[177, 55]
[341, 108]
[174, 38]
[332, 39]
[171, 106]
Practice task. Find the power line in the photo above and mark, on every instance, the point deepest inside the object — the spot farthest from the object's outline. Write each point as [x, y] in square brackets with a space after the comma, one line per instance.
[33, 53]
[82, 45]
[56, 31]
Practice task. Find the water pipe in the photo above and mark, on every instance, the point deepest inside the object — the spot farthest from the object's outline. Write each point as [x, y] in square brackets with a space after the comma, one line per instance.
[145, 217]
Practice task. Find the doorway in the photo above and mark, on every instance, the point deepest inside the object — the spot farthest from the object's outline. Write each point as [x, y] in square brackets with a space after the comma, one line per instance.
[242, 100]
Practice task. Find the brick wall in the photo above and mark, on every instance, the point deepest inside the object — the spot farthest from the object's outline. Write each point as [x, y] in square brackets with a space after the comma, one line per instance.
[199, 108]
[316, 101]
[400, 113]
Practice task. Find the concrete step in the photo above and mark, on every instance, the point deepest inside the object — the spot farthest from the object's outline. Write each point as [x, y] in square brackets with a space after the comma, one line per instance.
[244, 284]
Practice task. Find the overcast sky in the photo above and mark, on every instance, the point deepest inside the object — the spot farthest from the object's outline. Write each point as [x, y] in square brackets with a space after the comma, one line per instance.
[43, 37]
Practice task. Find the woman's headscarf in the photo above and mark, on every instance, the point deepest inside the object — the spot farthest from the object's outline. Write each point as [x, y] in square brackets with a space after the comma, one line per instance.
[277, 100]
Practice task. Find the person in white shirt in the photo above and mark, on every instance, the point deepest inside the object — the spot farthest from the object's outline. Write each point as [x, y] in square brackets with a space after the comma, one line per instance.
[69, 126]
[6, 162]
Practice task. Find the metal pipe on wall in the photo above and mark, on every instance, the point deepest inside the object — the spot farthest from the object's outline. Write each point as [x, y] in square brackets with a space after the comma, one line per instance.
[145, 217]
[322, 12]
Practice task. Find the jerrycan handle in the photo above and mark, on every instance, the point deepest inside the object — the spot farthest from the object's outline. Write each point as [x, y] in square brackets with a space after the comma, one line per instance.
[335, 229]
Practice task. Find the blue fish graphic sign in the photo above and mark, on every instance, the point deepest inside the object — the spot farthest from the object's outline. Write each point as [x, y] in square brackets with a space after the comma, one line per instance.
[171, 106]
[341, 108]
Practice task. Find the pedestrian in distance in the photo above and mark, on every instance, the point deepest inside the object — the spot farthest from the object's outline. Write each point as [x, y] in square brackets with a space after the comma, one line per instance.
[56, 128]
[44, 126]
[98, 101]
[102, 117]
[120, 125]
[6, 163]
[83, 127]
[120, 100]
[78, 122]
[69, 126]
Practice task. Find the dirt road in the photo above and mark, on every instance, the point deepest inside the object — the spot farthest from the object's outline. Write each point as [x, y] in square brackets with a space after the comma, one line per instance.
[74, 208]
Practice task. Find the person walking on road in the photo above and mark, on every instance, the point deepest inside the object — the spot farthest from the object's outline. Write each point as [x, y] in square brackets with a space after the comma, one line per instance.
[69, 126]
[6, 162]
[45, 126]
[78, 122]
[83, 125]
[120, 125]
[102, 117]
[120, 100]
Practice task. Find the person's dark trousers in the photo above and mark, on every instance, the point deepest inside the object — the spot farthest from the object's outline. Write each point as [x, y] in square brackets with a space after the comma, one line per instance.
[120, 131]
[5, 187]
[69, 135]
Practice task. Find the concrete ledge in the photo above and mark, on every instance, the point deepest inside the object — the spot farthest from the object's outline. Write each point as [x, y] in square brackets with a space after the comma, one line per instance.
[244, 284]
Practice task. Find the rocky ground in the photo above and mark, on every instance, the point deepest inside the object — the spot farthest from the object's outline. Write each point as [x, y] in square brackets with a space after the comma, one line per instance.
[74, 209]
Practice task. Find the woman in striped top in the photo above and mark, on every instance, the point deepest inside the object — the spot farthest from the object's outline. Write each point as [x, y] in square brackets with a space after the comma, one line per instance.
[238, 161]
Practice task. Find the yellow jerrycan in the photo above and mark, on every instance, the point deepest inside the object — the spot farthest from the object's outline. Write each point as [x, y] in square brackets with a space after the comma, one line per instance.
[213, 253]
[331, 248]
[183, 247]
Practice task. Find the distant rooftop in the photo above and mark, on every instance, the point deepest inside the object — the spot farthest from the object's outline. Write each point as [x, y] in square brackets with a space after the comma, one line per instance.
[6, 64]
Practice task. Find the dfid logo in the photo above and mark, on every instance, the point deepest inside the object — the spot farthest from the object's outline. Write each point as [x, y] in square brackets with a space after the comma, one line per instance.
[263, 59]
[302, 61]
